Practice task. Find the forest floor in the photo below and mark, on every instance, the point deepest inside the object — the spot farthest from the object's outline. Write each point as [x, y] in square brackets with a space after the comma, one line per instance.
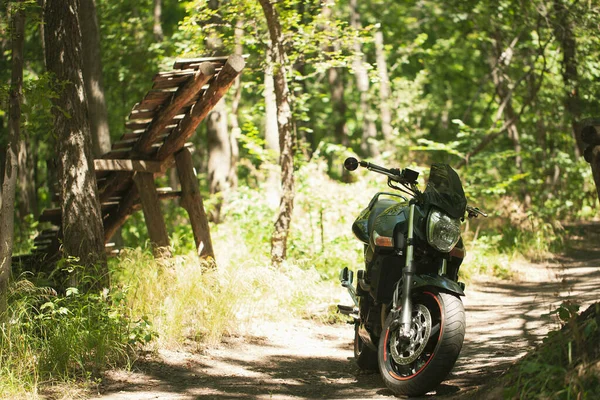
[304, 359]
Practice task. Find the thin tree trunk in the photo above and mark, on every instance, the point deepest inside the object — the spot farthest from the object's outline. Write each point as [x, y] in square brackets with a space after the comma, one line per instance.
[369, 130]
[219, 156]
[384, 88]
[83, 235]
[17, 20]
[563, 30]
[157, 27]
[271, 127]
[27, 202]
[335, 78]
[236, 131]
[92, 78]
[502, 83]
[338, 104]
[41, 5]
[219, 139]
[286, 134]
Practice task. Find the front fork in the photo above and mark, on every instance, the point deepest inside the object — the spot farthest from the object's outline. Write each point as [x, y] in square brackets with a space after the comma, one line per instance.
[407, 281]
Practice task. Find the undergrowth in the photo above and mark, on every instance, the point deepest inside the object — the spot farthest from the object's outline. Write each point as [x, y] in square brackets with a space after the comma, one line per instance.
[46, 337]
[566, 365]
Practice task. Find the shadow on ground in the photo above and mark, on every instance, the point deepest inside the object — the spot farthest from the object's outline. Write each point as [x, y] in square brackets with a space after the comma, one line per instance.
[314, 361]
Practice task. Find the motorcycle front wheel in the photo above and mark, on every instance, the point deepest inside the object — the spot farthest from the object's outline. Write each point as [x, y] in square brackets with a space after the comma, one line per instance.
[415, 366]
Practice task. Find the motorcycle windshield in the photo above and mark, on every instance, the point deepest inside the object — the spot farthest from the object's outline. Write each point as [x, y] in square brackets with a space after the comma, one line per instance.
[444, 190]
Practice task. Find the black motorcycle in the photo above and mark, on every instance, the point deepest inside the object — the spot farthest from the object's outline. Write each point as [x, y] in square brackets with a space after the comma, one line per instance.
[409, 320]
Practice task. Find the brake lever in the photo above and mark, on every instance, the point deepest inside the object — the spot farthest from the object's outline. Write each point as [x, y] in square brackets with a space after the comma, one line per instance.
[473, 212]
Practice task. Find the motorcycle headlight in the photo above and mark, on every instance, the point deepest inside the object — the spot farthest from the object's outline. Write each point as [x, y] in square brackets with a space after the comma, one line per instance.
[443, 232]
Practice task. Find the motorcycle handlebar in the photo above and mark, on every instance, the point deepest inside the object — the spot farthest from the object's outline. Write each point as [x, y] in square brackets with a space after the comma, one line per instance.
[394, 174]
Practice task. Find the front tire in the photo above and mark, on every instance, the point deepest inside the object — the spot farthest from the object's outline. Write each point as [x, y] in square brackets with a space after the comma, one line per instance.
[419, 366]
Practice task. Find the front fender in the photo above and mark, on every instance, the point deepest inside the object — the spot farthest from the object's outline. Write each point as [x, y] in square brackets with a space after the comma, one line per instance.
[440, 282]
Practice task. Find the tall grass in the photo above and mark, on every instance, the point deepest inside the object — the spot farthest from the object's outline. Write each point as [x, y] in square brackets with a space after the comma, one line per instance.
[46, 337]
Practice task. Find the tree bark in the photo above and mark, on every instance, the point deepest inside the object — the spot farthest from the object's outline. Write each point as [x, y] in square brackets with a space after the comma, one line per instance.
[92, 78]
[219, 155]
[17, 20]
[335, 78]
[563, 30]
[236, 131]
[369, 130]
[27, 201]
[157, 27]
[286, 134]
[271, 127]
[384, 88]
[81, 217]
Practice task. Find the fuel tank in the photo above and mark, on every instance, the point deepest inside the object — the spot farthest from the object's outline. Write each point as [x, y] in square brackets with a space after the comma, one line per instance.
[384, 215]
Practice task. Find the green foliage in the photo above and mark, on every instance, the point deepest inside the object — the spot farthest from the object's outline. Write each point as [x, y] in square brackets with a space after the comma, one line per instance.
[45, 336]
[564, 366]
[25, 233]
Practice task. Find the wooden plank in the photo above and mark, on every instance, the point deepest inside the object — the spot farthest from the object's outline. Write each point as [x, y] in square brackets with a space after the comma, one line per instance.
[234, 66]
[191, 200]
[170, 82]
[173, 74]
[149, 105]
[123, 144]
[135, 125]
[141, 114]
[117, 153]
[183, 63]
[157, 230]
[118, 182]
[159, 94]
[117, 218]
[166, 114]
[128, 165]
[131, 135]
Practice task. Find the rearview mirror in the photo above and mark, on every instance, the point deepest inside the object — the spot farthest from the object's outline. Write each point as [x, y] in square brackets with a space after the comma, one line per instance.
[351, 163]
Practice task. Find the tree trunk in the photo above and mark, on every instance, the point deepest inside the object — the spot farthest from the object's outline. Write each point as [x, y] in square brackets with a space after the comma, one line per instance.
[236, 131]
[219, 139]
[271, 127]
[369, 130]
[335, 78]
[286, 134]
[563, 30]
[17, 20]
[502, 83]
[384, 89]
[92, 78]
[42, 4]
[27, 202]
[219, 155]
[338, 105]
[82, 228]
[157, 27]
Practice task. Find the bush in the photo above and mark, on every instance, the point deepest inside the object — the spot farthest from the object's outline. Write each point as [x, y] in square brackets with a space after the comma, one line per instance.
[45, 336]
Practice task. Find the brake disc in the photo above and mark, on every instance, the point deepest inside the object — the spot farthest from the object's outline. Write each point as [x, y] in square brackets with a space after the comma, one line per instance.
[406, 351]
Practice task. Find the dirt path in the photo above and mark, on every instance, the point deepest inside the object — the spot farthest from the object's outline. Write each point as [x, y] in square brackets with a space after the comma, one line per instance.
[301, 359]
